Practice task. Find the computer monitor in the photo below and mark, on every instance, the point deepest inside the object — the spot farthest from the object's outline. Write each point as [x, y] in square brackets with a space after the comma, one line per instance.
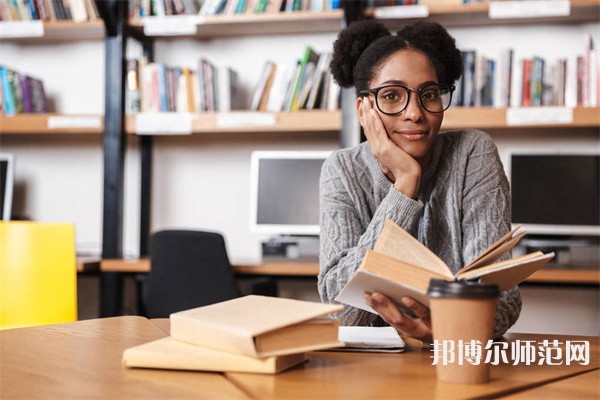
[556, 193]
[285, 192]
[6, 185]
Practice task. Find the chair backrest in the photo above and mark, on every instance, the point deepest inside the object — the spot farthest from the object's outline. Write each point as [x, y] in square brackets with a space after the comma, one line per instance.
[188, 269]
[38, 275]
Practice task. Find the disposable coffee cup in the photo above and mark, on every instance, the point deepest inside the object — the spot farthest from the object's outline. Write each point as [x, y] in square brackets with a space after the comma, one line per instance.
[462, 311]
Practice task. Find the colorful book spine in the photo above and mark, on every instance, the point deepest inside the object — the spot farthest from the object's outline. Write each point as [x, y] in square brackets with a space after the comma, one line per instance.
[9, 102]
[25, 93]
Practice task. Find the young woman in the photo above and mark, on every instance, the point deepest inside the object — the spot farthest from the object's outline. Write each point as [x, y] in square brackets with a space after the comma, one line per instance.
[448, 190]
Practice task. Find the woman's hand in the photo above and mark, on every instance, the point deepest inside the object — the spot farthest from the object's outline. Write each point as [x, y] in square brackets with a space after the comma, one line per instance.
[417, 328]
[395, 163]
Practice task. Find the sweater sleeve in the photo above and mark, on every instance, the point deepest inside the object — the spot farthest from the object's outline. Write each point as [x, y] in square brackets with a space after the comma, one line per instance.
[347, 233]
[486, 218]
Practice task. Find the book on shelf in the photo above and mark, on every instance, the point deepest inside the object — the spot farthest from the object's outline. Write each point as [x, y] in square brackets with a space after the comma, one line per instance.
[260, 91]
[168, 353]
[48, 10]
[318, 81]
[399, 265]
[259, 326]
[306, 68]
[21, 93]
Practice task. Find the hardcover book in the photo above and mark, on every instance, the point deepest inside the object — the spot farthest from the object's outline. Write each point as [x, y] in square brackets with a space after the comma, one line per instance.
[168, 353]
[399, 265]
[259, 326]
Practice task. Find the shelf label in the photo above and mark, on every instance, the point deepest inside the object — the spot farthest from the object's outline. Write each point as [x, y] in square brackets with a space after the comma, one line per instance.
[67, 122]
[21, 29]
[529, 9]
[172, 25]
[539, 116]
[163, 124]
[234, 120]
[402, 12]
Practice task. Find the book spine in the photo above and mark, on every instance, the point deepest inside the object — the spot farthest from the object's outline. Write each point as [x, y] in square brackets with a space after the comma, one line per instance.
[580, 80]
[9, 102]
[24, 81]
[526, 89]
[132, 93]
[39, 103]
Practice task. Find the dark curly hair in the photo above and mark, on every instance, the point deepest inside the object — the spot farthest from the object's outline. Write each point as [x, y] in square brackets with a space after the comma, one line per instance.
[362, 47]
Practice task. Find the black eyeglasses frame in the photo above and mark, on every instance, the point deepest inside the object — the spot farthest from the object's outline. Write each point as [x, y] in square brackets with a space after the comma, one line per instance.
[418, 91]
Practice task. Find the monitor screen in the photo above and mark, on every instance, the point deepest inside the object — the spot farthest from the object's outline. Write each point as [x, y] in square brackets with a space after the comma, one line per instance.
[285, 191]
[558, 190]
[6, 185]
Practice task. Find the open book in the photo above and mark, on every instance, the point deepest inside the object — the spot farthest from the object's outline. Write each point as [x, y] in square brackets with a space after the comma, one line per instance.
[400, 265]
[259, 326]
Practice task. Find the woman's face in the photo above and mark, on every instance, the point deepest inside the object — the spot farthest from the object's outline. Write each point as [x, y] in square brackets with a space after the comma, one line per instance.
[414, 129]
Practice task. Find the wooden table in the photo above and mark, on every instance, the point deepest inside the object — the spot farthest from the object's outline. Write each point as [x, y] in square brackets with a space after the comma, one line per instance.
[585, 386]
[83, 359]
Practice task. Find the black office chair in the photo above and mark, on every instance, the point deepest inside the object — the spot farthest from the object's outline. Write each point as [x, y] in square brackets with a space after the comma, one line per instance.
[190, 269]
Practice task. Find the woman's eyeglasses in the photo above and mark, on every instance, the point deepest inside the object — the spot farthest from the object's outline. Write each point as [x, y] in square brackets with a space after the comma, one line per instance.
[393, 99]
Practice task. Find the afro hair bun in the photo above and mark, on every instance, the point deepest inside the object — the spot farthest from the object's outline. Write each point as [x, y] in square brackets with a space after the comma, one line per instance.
[350, 44]
[434, 40]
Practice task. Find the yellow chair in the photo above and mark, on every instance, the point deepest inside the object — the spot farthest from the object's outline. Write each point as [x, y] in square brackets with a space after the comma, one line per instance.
[38, 277]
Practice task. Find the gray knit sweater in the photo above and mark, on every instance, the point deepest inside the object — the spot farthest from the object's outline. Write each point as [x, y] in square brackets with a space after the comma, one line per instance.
[462, 207]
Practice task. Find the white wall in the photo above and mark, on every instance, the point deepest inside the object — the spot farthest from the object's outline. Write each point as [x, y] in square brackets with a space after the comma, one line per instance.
[203, 181]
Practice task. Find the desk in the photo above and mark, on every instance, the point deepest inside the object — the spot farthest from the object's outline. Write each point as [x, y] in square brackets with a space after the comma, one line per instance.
[307, 269]
[585, 386]
[83, 359]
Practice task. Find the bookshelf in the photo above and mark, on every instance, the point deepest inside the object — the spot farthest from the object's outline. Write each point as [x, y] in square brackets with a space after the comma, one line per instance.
[247, 121]
[52, 124]
[477, 14]
[53, 31]
[220, 26]
[496, 118]
[294, 122]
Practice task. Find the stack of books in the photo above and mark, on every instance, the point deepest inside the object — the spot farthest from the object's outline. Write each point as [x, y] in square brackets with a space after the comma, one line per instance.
[20, 93]
[249, 334]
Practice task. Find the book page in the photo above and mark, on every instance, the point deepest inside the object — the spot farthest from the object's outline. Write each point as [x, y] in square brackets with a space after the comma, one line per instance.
[510, 273]
[492, 249]
[395, 242]
[491, 256]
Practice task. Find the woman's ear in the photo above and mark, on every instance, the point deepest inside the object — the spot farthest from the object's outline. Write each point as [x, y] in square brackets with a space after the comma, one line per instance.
[359, 109]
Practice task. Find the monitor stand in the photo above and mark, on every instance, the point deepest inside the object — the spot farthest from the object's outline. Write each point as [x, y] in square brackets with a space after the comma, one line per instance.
[291, 248]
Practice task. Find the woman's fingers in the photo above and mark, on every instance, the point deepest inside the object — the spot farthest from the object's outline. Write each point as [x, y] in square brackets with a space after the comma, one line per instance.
[386, 309]
[374, 130]
[414, 327]
[419, 309]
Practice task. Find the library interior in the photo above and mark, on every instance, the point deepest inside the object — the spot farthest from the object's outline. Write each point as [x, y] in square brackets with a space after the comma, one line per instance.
[160, 155]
